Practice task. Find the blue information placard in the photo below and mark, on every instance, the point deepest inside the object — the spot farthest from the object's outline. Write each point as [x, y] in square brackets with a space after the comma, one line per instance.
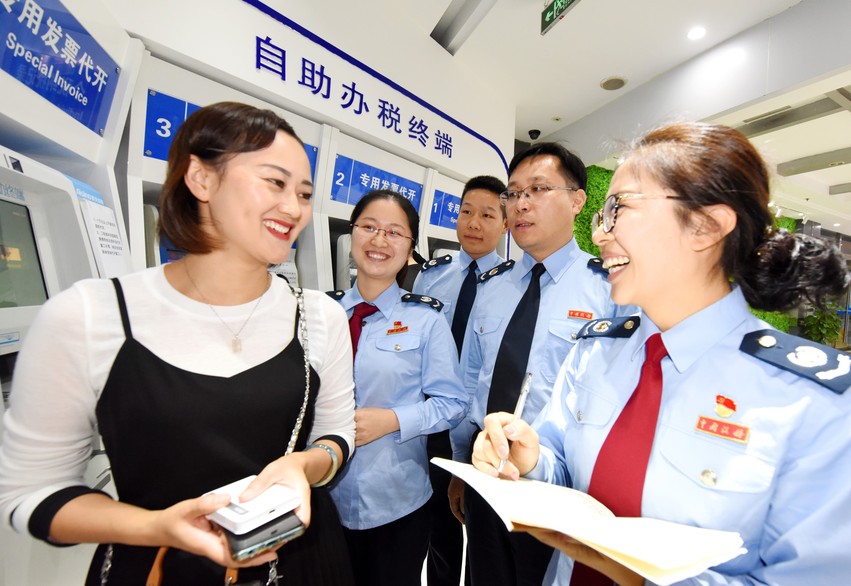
[444, 210]
[49, 51]
[163, 116]
[312, 153]
[353, 179]
[86, 191]
[436, 208]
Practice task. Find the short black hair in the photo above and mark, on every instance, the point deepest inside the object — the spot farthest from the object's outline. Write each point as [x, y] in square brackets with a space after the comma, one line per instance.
[486, 182]
[571, 164]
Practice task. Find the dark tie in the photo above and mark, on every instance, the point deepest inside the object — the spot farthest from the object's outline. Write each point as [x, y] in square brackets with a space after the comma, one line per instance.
[466, 296]
[362, 311]
[618, 477]
[513, 354]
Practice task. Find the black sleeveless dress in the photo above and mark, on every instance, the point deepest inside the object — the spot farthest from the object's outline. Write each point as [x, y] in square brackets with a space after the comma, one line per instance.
[172, 435]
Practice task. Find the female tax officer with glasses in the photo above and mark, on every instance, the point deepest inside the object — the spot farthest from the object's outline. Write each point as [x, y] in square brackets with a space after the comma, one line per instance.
[697, 412]
[407, 385]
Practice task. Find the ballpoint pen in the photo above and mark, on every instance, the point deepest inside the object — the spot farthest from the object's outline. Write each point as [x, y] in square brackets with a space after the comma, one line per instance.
[518, 410]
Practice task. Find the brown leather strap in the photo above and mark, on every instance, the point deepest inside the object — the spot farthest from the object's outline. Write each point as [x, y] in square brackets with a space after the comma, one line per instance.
[231, 576]
[155, 576]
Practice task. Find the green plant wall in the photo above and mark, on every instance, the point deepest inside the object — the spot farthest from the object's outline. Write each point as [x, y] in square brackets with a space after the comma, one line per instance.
[598, 186]
[599, 179]
[790, 224]
[778, 319]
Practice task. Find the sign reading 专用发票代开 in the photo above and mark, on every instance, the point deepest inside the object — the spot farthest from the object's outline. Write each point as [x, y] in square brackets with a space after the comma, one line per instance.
[554, 12]
[47, 49]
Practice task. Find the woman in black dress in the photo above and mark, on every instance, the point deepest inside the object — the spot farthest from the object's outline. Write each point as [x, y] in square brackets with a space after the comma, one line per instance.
[196, 374]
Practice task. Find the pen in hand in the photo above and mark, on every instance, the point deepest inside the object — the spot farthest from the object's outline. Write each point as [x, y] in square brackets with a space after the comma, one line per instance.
[518, 410]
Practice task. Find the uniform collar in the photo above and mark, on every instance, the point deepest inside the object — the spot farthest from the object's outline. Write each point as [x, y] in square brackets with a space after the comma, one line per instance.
[556, 263]
[694, 336]
[483, 263]
[385, 302]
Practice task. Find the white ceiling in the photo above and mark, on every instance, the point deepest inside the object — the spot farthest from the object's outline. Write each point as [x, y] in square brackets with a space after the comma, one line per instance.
[554, 79]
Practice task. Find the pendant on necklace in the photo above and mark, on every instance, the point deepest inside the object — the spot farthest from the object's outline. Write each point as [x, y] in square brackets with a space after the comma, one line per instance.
[236, 344]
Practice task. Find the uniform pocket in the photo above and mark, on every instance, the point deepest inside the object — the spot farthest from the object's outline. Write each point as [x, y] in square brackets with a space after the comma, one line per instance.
[485, 329]
[561, 336]
[588, 407]
[398, 343]
[715, 466]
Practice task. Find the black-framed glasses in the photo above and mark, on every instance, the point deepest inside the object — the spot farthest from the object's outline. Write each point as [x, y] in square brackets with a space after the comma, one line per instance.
[606, 216]
[390, 234]
[534, 192]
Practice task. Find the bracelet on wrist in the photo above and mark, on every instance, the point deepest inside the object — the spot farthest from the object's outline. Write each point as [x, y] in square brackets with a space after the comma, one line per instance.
[335, 464]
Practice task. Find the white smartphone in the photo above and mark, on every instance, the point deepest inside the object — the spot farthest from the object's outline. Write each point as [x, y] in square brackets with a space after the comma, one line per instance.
[240, 518]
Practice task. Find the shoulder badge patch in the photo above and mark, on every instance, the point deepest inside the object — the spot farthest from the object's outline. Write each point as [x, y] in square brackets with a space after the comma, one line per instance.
[610, 327]
[821, 364]
[436, 262]
[497, 270]
[335, 295]
[430, 301]
[596, 266]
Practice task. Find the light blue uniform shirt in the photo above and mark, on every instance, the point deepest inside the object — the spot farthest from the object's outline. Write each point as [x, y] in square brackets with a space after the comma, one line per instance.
[571, 295]
[786, 488]
[444, 281]
[405, 361]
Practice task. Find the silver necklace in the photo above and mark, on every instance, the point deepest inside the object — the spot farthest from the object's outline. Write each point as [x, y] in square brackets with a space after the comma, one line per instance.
[236, 342]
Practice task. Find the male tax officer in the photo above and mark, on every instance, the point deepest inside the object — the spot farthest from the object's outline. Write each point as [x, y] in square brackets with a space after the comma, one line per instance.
[524, 319]
[452, 279]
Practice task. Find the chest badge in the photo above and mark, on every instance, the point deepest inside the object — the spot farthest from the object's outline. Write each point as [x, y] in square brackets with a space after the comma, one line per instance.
[723, 429]
[724, 406]
[397, 328]
[580, 314]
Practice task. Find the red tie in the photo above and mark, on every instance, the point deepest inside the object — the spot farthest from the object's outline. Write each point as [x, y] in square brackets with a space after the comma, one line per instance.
[356, 323]
[618, 477]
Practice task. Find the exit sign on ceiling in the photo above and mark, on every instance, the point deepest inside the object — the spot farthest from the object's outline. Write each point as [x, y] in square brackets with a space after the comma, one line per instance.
[554, 13]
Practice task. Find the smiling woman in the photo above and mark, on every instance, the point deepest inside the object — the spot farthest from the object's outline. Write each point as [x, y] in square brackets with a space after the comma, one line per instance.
[694, 411]
[407, 385]
[195, 375]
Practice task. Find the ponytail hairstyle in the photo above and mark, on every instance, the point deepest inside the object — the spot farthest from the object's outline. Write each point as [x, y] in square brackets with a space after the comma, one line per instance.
[407, 207]
[710, 164]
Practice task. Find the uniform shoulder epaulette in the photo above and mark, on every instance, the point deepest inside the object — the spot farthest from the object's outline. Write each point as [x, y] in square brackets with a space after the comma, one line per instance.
[335, 295]
[596, 266]
[436, 304]
[821, 364]
[497, 270]
[436, 262]
[610, 327]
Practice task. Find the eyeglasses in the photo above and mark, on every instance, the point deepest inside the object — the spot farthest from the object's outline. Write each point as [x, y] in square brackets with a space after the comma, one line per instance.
[608, 214]
[535, 192]
[596, 220]
[390, 234]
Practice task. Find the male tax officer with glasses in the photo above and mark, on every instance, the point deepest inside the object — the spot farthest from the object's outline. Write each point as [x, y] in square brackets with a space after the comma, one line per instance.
[524, 319]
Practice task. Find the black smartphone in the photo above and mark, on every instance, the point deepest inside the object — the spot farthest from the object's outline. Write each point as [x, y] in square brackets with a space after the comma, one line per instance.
[266, 537]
